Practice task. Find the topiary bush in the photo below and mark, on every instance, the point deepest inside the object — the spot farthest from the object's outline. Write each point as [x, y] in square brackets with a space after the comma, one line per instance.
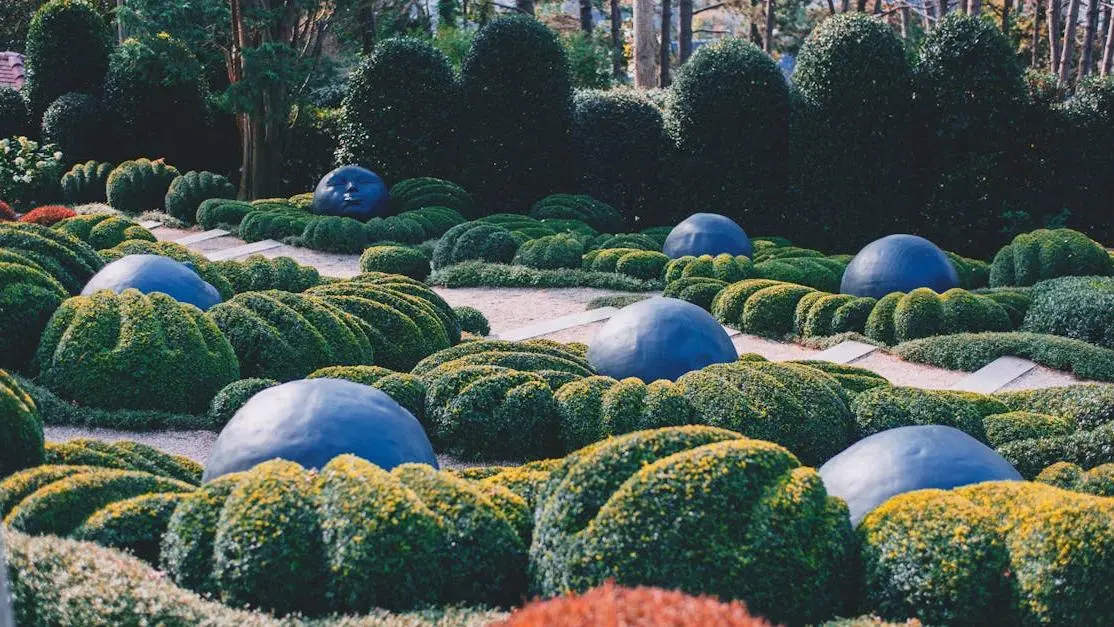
[134, 351]
[728, 95]
[1023, 425]
[418, 193]
[102, 230]
[67, 259]
[335, 234]
[276, 223]
[472, 320]
[58, 28]
[971, 351]
[700, 291]
[1075, 307]
[474, 240]
[232, 397]
[972, 273]
[885, 408]
[406, 389]
[134, 525]
[822, 273]
[724, 267]
[139, 185]
[187, 547]
[14, 118]
[85, 182]
[600, 216]
[28, 297]
[398, 116]
[550, 252]
[640, 264]
[258, 273]
[79, 125]
[394, 230]
[395, 260]
[218, 212]
[206, 269]
[517, 97]
[595, 408]
[1047, 254]
[770, 310]
[188, 190]
[20, 427]
[1098, 480]
[755, 500]
[1085, 447]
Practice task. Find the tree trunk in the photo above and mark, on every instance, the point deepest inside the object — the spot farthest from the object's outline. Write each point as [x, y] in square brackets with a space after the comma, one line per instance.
[831, 7]
[905, 22]
[524, 6]
[877, 7]
[666, 42]
[644, 44]
[929, 16]
[942, 10]
[974, 7]
[844, 5]
[1035, 43]
[1087, 56]
[769, 38]
[685, 36]
[963, 7]
[1006, 6]
[1054, 9]
[586, 15]
[1108, 49]
[1069, 40]
[860, 6]
[616, 39]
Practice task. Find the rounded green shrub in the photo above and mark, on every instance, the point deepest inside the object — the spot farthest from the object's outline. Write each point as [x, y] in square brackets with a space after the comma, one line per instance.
[123, 455]
[417, 193]
[550, 252]
[206, 269]
[68, 260]
[57, 30]
[973, 273]
[1023, 425]
[187, 191]
[729, 95]
[435, 220]
[729, 304]
[853, 378]
[79, 126]
[724, 267]
[880, 322]
[395, 260]
[398, 117]
[1075, 307]
[768, 531]
[335, 234]
[135, 525]
[531, 356]
[1098, 480]
[1047, 254]
[646, 265]
[599, 215]
[15, 120]
[258, 273]
[406, 389]
[937, 556]
[770, 310]
[21, 428]
[1085, 447]
[28, 298]
[276, 223]
[139, 185]
[18, 486]
[700, 291]
[187, 547]
[284, 336]
[216, 212]
[394, 230]
[885, 408]
[595, 408]
[516, 96]
[635, 241]
[472, 320]
[1087, 406]
[268, 551]
[134, 351]
[102, 231]
[85, 182]
[920, 313]
[822, 273]
[474, 240]
[59, 508]
[233, 396]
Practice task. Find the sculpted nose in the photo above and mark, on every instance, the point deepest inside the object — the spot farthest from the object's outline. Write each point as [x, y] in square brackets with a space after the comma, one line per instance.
[350, 186]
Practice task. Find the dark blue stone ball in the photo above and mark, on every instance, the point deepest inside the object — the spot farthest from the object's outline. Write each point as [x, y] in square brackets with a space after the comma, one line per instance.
[659, 338]
[155, 273]
[312, 421]
[351, 192]
[898, 263]
[707, 234]
[905, 459]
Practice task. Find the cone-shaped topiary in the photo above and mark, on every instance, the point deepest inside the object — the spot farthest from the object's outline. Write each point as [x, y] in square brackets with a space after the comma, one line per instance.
[187, 191]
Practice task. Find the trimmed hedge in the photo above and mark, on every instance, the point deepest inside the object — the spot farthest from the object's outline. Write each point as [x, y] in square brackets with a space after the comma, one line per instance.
[187, 547]
[971, 351]
[724, 267]
[335, 234]
[472, 321]
[1076, 307]
[406, 389]
[274, 222]
[822, 273]
[15, 120]
[700, 291]
[1047, 254]
[233, 396]
[482, 274]
[57, 29]
[435, 221]
[258, 273]
[1098, 480]
[21, 428]
[101, 230]
[79, 125]
[134, 351]
[123, 455]
[599, 215]
[421, 192]
[85, 182]
[1088, 406]
[68, 260]
[395, 260]
[215, 213]
[187, 191]
[973, 273]
[754, 499]
[635, 241]
[1023, 425]
[474, 240]
[135, 525]
[28, 298]
[595, 408]
[1085, 447]
[883, 408]
[394, 230]
[550, 252]
[206, 269]
[139, 185]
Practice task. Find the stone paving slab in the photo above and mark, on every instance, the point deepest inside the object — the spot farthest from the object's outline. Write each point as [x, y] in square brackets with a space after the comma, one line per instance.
[845, 352]
[245, 250]
[553, 325]
[201, 237]
[995, 375]
[150, 224]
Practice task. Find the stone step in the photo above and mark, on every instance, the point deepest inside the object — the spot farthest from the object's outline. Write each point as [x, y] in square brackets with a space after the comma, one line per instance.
[201, 237]
[845, 352]
[245, 250]
[995, 375]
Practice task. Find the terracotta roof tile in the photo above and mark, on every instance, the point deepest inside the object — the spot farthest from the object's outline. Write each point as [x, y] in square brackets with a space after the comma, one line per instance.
[11, 70]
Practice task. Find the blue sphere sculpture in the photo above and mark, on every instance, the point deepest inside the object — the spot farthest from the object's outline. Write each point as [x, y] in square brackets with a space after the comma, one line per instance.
[707, 234]
[898, 263]
[155, 273]
[312, 421]
[905, 459]
[351, 192]
[659, 338]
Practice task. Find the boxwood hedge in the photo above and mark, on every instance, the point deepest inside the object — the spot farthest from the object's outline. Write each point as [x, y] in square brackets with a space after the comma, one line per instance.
[1076, 307]
[971, 351]
[67, 259]
[724, 267]
[550, 252]
[206, 269]
[417, 193]
[187, 191]
[28, 298]
[395, 260]
[135, 525]
[1047, 254]
[472, 320]
[187, 548]
[1023, 425]
[335, 234]
[883, 408]
[220, 212]
[85, 182]
[21, 428]
[102, 231]
[139, 185]
[597, 214]
[1098, 480]
[258, 273]
[474, 240]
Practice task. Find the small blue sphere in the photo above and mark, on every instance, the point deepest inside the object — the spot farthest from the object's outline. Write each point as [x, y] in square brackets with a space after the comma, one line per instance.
[905, 459]
[707, 234]
[312, 421]
[898, 263]
[155, 273]
[351, 192]
[659, 338]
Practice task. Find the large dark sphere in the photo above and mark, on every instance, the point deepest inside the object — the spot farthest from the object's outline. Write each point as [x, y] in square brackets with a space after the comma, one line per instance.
[659, 338]
[905, 459]
[707, 234]
[154, 273]
[898, 263]
[351, 192]
[312, 421]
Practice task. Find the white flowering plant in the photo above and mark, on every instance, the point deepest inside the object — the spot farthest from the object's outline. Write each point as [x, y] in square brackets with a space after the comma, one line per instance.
[29, 172]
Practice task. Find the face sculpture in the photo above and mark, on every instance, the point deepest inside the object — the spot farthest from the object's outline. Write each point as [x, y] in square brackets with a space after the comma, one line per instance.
[351, 192]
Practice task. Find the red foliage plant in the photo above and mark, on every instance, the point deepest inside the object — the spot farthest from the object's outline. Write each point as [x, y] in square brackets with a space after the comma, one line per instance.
[48, 215]
[7, 214]
[615, 606]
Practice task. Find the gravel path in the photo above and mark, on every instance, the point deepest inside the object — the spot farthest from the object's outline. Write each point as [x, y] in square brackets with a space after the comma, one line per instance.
[510, 308]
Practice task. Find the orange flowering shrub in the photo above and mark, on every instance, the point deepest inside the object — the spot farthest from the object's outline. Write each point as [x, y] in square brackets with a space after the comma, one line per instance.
[7, 214]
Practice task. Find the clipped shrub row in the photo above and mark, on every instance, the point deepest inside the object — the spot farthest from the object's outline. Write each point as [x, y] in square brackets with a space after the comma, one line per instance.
[103, 231]
[121, 455]
[21, 427]
[971, 351]
[85, 182]
[403, 260]
[1075, 307]
[644, 265]
[1098, 480]
[1047, 254]
[258, 273]
[483, 274]
[599, 215]
[139, 185]
[418, 193]
[29, 295]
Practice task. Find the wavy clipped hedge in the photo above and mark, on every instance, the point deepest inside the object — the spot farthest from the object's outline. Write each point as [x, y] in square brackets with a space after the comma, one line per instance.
[971, 351]
[334, 234]
[1024, 425]
[817, 272]
[394, 230]
[205, 269]
[258, 273]
[727, 268]
[28, 298]
[274, 222]
[233, 396]
[483, 274]
[635, 241]
[103, 231]
[645, 265]
[417, 193]
[21, 428]
[754, 499]
[134, 351]
[135, 525]
[85, 182]
[1084, 447]
[700, 291]
[1098, 480]
[551, 252]
[221, 212]
[883, 408]
[597, 214]
[1076, 307]
[122, 455]
[472, 321]
[187, 191]
[1047, 254]
[435, 221]
[402, 260]
[474, 240]
[1087, 406]
[139, 185]
[65, 258]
